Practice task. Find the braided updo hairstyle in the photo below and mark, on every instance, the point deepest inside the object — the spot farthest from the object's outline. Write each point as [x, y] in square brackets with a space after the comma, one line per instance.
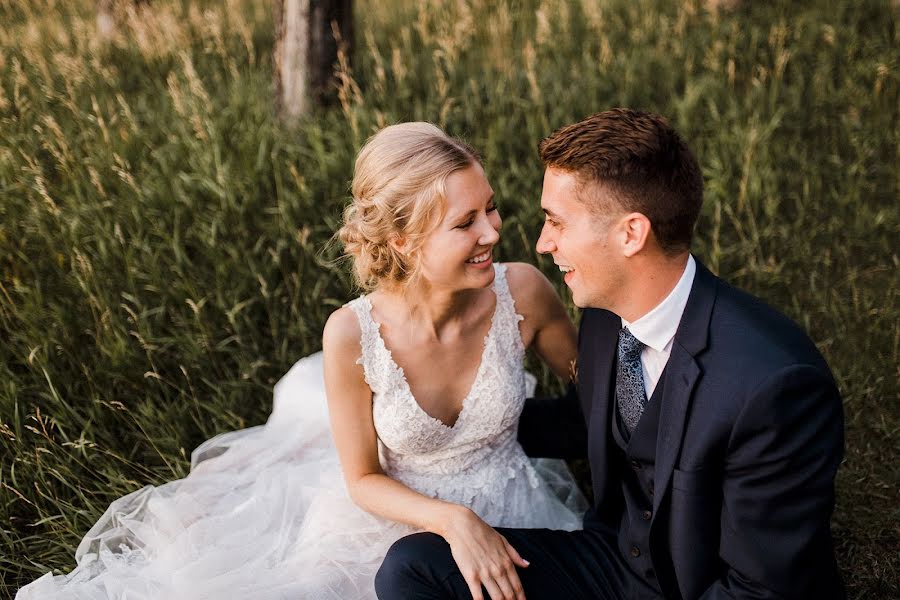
[398, 192]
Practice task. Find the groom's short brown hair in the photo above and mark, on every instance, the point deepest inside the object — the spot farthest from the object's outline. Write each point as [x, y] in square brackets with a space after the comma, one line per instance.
[644, 163]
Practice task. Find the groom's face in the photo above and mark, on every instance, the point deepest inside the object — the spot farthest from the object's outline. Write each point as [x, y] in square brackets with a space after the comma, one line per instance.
[582, 243]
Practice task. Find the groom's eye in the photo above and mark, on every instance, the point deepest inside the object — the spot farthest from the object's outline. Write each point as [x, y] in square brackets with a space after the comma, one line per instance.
[491, 208]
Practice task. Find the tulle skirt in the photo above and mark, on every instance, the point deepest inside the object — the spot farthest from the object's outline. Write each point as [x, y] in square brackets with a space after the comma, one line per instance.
[265, 514]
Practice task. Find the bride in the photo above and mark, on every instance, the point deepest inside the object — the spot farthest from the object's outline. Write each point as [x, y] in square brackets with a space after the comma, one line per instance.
[405, 422]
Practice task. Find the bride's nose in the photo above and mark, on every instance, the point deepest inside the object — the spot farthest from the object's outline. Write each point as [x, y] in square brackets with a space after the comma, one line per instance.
[489, 235]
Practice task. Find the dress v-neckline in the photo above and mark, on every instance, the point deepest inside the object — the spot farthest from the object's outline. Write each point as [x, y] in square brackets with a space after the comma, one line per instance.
[478, 373]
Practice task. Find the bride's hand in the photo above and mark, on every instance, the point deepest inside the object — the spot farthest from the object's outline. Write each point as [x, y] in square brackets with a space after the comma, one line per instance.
[483, 556]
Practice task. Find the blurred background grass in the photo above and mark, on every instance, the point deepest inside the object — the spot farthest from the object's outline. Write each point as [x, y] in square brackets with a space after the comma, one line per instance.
[161, 234]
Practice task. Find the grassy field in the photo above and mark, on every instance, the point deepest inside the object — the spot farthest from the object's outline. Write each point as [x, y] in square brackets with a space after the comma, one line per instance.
[162, 236]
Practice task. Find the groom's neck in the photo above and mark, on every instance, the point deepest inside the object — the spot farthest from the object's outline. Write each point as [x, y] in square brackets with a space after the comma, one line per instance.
[651, 278]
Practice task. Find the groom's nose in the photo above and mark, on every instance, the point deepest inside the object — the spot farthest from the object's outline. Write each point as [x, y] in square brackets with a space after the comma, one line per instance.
[545, 243]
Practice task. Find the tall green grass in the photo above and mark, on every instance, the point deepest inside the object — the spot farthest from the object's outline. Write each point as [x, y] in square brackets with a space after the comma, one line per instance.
[162, 235]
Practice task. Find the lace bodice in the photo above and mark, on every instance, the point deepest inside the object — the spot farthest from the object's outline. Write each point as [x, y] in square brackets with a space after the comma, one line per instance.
[480, 450]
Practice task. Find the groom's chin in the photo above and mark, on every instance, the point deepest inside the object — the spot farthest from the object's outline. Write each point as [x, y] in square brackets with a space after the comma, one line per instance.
[581, 300]
[577, 301]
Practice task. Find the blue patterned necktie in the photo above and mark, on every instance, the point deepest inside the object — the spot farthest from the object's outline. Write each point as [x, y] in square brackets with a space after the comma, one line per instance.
[630, 394]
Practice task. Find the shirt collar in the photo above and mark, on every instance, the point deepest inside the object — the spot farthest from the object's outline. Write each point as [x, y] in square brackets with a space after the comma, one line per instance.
[657, 328]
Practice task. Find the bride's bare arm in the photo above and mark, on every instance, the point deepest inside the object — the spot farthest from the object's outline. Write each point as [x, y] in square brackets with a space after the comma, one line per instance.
[483, 555]
[547, 328]
[350, 412]
[551, 427]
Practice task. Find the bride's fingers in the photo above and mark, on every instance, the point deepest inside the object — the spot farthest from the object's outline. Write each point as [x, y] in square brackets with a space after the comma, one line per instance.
[514, 554]
[486, 558]
[512, 588]
[517, 590]
[494, 590]
[502, 581]
[474, 587]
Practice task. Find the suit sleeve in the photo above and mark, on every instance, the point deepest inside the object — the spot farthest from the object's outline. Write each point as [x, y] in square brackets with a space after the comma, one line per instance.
[554, 427]
[778, 492]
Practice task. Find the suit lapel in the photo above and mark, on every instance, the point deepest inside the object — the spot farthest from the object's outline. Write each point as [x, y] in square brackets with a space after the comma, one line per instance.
[682, 374]
[601, 356]
[604, 360]
[676, 400]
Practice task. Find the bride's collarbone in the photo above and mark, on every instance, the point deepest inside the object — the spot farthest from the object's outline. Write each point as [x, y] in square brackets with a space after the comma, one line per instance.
[440, 370]
[440, 374]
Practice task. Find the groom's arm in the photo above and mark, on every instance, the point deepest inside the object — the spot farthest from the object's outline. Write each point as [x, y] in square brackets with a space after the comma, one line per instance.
[549, 427]
[778, 492]
[554, 427]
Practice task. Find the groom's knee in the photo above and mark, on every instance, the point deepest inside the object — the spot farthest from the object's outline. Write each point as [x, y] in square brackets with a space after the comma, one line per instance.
[412, 566]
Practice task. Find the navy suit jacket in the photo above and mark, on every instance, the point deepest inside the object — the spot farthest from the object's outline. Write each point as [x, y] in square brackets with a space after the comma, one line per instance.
[750, 438]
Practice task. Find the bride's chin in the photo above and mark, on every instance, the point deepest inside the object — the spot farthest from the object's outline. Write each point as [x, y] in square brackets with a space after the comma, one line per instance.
[485, 278]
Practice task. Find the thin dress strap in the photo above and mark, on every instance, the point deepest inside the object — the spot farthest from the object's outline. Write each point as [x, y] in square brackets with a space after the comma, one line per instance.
[375, 358]
[508, 326]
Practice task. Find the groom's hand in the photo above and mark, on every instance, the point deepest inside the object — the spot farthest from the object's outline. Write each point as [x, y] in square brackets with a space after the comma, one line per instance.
[483, 556]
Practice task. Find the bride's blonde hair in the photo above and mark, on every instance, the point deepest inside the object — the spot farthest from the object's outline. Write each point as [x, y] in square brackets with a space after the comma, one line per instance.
[398, 192]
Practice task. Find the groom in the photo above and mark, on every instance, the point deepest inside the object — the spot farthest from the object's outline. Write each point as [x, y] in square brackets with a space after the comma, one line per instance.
[713, 425]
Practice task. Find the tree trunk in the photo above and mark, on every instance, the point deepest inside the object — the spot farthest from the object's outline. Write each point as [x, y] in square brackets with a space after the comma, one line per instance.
[107, 16]
[724, 5]
[309, 36]
[106, 21]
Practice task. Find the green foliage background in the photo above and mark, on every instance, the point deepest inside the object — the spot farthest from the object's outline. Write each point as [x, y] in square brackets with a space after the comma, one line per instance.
[163, 252]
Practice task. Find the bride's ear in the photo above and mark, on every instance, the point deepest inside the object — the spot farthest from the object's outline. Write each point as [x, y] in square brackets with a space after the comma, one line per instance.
[398, 243]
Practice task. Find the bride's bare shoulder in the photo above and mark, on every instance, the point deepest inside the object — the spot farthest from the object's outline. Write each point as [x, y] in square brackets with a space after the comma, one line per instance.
[531, 290]
[341, 336]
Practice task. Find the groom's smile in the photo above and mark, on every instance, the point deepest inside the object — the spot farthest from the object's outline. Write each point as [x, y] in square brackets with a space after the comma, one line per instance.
[566, 271]
[579, 240]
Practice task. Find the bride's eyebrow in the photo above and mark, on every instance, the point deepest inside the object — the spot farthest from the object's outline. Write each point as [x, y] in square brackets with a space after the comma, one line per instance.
[469, 214]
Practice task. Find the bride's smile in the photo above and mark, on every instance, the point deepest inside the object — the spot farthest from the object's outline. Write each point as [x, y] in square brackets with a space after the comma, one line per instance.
[457, 254]
[477, 260]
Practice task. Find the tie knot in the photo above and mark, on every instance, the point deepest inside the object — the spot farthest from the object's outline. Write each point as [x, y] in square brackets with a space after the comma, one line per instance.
[629, 346]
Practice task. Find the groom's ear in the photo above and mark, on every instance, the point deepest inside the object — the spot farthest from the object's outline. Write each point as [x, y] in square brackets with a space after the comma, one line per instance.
[635, 233]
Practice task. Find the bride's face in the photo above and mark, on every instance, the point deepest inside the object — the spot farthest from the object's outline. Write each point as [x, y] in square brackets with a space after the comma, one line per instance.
[458, 253]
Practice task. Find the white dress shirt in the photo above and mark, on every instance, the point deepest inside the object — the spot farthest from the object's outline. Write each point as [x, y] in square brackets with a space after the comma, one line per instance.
[656, 330]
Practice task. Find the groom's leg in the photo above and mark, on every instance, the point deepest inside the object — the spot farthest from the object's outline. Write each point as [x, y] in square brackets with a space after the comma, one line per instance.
[419, 567]
[578, 564]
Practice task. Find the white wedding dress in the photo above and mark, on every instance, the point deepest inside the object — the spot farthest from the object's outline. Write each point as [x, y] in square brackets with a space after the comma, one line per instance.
[264, 512]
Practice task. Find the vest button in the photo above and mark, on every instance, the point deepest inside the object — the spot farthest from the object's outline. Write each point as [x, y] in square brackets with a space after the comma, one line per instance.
[635, 551]
[635, 465]
[647, 515]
